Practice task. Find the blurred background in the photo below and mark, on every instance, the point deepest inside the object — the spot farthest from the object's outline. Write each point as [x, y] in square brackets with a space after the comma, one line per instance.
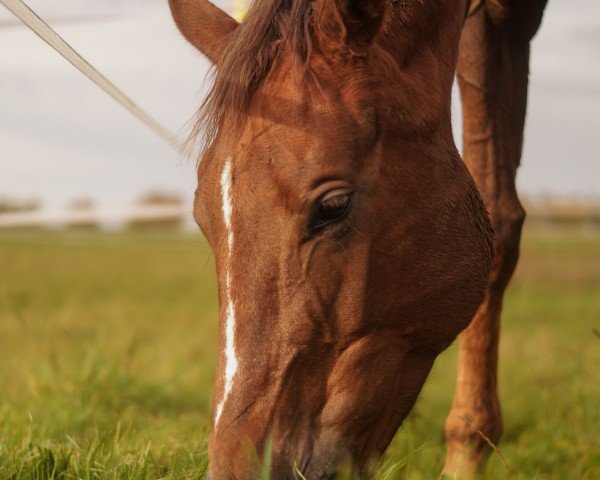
[62, 140]
[107, 294]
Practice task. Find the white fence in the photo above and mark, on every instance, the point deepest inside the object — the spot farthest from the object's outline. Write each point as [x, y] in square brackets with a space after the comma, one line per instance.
[109, 218]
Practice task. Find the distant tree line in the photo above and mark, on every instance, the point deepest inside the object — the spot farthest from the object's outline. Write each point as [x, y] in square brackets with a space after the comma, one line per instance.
[11, 205]
[81, 211]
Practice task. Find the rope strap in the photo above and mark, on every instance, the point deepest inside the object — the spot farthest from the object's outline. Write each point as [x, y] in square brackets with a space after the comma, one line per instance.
[46, 33]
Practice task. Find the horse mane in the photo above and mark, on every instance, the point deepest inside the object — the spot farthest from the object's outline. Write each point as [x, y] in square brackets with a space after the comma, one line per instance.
[248, 59]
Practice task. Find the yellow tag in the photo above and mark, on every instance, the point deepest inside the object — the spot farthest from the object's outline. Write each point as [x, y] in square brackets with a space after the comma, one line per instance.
[240, 7]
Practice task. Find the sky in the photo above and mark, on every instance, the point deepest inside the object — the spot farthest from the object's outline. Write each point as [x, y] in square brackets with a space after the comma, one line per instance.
[62, 138]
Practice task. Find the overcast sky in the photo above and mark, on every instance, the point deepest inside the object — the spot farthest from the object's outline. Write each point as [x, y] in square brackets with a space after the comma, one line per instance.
[62, 138]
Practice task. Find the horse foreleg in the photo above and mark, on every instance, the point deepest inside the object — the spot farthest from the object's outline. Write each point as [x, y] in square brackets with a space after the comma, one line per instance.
[492, 74]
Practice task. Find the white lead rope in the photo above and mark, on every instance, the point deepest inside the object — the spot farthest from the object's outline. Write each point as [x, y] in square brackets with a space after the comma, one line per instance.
[45, 32]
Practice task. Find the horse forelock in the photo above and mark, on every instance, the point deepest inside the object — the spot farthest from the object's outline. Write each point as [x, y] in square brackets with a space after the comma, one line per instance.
[249, 58]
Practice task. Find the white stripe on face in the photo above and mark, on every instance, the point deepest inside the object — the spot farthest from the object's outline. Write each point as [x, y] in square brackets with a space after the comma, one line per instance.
[231, 362]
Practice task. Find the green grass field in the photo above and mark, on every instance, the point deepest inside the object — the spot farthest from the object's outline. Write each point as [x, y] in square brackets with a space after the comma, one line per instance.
[108, 348]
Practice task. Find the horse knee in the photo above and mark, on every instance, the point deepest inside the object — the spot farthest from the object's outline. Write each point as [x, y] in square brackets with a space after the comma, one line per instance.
[507, 220]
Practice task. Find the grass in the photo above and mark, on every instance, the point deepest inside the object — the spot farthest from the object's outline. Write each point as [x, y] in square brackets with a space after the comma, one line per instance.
[107, 352]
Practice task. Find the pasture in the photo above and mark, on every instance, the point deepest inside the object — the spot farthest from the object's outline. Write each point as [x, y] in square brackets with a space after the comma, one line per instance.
[108, 347]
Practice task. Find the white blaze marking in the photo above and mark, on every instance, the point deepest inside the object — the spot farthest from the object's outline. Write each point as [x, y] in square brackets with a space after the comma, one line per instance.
[231, 362]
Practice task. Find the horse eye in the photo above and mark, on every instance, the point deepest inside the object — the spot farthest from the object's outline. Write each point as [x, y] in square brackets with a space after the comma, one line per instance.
[332, 208]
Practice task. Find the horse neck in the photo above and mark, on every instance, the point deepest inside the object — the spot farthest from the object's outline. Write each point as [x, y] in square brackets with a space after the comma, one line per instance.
[415, 62]
[415, 27]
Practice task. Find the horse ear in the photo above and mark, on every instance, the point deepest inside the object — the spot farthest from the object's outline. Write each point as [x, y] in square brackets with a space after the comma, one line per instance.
[348, 24]
[204, 25]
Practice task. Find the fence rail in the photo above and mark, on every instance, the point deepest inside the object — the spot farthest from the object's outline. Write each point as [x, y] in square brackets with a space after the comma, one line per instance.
[57, 218]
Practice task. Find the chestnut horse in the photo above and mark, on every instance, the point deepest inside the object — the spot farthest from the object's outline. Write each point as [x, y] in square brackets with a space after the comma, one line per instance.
[352, 244]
